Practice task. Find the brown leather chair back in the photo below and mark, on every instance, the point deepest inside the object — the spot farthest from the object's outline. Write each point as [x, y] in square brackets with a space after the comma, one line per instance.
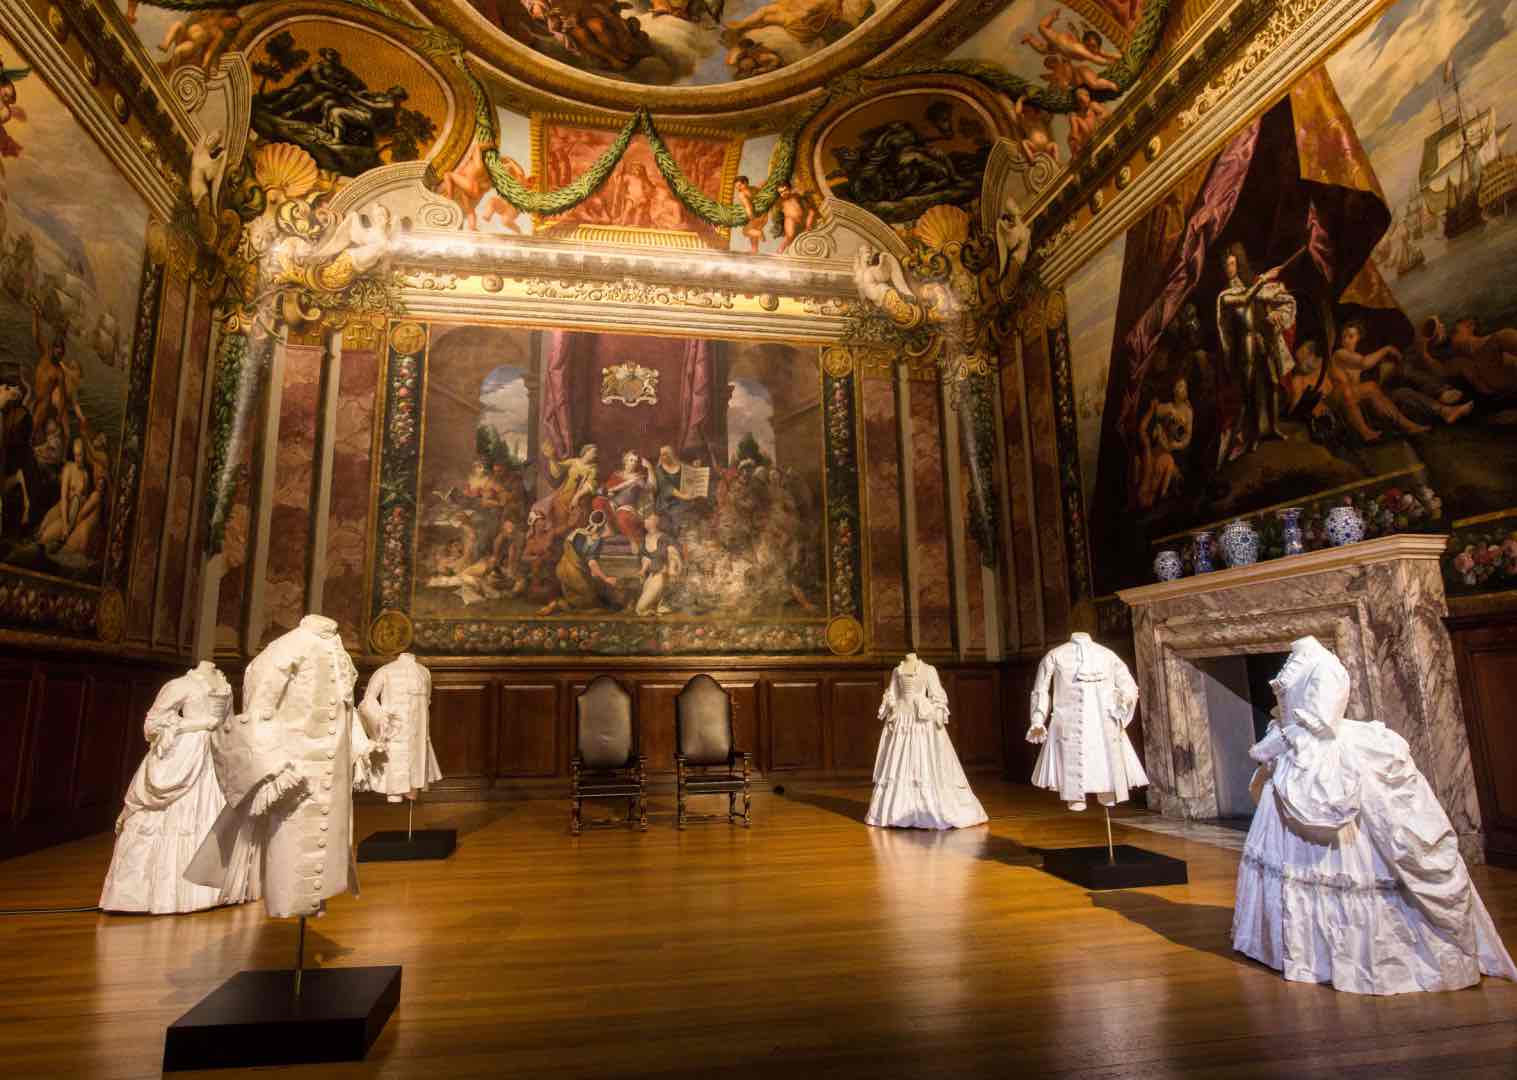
[603, 725]
[703, 722]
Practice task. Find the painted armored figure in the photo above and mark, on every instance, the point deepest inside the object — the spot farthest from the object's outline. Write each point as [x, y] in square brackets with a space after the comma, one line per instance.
[285, 766]
[172, 802]
[395, 711]
[1083, 698]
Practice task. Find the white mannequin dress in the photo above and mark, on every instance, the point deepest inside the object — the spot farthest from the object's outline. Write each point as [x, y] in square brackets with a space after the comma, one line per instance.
[1351, 874]
[918, 781]
[172, 802]
[396, 707]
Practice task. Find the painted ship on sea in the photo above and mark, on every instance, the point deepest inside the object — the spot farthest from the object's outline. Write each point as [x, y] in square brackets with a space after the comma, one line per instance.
[1466, 176]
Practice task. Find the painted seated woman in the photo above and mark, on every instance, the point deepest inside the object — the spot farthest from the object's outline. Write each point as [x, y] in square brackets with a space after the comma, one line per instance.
[1351, 874]
[172, 803]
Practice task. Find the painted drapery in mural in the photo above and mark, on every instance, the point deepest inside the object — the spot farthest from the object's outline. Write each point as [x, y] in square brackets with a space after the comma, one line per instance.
[1298, 323]
[567, 491]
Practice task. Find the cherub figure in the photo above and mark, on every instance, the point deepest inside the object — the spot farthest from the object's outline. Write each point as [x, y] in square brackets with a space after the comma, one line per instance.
[1084, 120]
[1066, 55]
[792, 215]
[1035, 136]
[470, 182]
[753, 230]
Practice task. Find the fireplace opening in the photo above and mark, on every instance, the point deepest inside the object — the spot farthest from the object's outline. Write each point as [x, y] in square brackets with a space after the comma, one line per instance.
[1238, 703]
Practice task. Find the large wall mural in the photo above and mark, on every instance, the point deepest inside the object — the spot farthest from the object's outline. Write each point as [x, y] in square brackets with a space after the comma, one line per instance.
[1318, 315]
[73, 389]
[567, 491]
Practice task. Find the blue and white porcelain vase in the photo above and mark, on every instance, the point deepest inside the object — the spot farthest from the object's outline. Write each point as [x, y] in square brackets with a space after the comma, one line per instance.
[1240, 543]
[1344, 525]
[1201, 553]
[1290, 530]
[1167, 565]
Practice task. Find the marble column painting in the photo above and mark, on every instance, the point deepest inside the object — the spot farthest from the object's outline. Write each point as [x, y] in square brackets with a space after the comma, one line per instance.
[1379, 605]
[294, 490]
[1021, 559]
[183, 561]
[932, 593]
[882, 455]
[974, 580]
[348, 517]
[153, 493]
[1047, 489]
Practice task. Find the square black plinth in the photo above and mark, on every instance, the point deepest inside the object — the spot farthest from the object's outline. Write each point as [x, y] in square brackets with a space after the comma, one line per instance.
[254, 1018]
[1131, 869]
[395, 847]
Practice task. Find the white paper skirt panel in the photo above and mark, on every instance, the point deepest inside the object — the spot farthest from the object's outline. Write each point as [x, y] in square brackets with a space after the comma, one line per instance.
[1077, 766]
[155, 847]
[919, 783]
[1334, 913]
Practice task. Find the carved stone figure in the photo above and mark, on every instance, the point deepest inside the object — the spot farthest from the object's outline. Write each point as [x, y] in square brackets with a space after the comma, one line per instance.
[396, 710]
[285, 766]
[172, 802]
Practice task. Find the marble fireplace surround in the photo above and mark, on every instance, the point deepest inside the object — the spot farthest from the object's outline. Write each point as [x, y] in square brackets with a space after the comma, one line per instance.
[1378, 604]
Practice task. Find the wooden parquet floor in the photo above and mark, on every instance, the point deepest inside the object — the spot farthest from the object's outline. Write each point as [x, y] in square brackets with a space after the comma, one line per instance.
[808, 946]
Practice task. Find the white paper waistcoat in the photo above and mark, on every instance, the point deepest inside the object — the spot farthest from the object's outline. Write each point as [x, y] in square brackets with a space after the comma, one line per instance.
[396, 710]
[288, 758]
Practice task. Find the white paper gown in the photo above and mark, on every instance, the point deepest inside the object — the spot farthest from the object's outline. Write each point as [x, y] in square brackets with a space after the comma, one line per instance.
[396, 709]
[1085, 697]
[1351, 874]
[172, 802]
[918, 781]
[285, 766]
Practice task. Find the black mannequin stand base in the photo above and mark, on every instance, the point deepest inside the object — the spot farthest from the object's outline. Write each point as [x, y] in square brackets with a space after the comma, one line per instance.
[1120, 867]
[261, 1018]
[400, 846]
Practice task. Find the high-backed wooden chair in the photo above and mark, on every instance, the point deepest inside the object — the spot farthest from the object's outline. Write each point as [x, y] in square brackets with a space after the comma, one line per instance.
[705, 760]
[606, 764]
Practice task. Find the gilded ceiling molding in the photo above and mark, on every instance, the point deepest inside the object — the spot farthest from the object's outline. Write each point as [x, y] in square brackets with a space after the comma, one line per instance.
[1285, 39]
[105, 93]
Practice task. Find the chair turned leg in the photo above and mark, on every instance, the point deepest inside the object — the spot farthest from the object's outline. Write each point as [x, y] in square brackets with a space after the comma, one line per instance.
[747, 805]
[642, 794]
[574, 814]
[731, 807]
[679, 793]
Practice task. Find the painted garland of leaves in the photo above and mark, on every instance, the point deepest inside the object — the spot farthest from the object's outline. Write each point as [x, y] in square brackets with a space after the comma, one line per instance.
[1123, 72]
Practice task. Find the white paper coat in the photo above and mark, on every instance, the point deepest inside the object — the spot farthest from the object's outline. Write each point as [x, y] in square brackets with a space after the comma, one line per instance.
[1084, 696]
[285, 765]
[396, 711]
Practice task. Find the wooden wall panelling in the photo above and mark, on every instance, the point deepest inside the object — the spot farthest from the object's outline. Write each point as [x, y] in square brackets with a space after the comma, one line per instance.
[54, 752]
[1485, 656]
[463, 729]
[796, 723]
[855, 724]
[653, 708]
[745, 717]
[1018, 756]
[529, 742]
[976, 725]
[103, 744]
[17, 707]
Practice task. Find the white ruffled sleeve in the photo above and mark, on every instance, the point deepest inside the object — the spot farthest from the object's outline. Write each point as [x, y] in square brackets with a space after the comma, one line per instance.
[1042, 696]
